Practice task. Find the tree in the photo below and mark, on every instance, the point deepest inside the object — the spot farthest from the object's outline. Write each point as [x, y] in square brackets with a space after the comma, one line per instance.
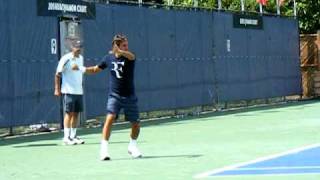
[308, 10]
[308, 15]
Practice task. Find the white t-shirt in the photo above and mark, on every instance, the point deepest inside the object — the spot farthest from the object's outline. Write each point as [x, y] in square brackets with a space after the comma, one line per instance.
[71, 79]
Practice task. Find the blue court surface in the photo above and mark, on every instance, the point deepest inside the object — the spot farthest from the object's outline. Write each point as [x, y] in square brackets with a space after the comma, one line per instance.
[305, 160]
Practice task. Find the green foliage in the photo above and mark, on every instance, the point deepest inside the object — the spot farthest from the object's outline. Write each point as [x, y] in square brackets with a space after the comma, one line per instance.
[309, 15]
[208, 3]
[308, 10]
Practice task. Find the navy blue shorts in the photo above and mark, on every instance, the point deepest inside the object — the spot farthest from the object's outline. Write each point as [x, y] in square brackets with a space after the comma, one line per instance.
[128, 104]
[72, 103]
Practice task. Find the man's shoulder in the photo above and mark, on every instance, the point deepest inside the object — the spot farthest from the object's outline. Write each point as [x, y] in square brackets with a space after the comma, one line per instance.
[108, 56]
[66, 56]
[81, 57]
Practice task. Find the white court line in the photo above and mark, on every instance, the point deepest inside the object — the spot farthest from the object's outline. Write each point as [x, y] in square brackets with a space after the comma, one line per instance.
[266, 175]
[206, 174]
[278, 167]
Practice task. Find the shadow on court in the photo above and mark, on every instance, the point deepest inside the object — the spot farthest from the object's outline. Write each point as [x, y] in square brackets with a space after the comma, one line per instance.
[35, 145]
[161, 156]
[60, 144]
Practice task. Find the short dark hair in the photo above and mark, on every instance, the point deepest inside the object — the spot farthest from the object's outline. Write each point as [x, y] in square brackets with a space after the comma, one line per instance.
[119, 38]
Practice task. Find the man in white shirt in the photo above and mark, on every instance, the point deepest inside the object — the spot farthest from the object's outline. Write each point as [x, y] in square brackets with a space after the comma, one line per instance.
[71, 90]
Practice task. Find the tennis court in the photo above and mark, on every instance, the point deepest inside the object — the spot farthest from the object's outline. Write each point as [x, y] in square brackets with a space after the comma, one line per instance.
[274, 142]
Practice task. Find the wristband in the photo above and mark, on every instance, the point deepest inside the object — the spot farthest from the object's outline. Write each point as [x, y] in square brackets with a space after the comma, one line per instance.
[82, 69]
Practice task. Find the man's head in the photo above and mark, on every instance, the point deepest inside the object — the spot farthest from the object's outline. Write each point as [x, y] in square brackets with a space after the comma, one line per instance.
[121, 41]
[76, 47]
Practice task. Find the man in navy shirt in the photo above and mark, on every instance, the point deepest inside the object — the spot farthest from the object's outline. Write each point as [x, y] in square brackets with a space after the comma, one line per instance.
[120, 62]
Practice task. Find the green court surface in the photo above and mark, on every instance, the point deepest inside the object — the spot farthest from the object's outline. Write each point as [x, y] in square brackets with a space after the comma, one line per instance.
[173, 148]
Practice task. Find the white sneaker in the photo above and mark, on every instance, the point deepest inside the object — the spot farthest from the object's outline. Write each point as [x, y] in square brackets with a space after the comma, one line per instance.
[104, 154]
[68, 141]
[77, 140]
[134, 151]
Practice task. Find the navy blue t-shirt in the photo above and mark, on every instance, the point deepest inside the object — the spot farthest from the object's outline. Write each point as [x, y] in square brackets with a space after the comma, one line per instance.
[121, 71]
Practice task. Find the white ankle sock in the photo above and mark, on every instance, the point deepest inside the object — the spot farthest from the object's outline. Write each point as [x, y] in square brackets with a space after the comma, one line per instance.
[66, 132]
[73, 133]
[104, 144]
[133, 142]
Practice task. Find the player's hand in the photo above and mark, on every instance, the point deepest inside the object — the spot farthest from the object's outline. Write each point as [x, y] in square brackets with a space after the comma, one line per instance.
[57, 92]
[116, 50]
[75, 67]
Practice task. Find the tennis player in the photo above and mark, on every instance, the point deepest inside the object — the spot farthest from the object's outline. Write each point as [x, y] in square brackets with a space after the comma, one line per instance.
[121, 63]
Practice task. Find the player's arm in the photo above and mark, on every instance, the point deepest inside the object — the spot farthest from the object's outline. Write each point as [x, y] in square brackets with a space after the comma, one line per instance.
[58, 75]
[57, 78]
[127, 54]
[90, 69]
[57, 84]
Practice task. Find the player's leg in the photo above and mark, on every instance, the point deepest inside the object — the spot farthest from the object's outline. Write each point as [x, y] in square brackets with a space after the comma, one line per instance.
[67, 129]
[132, 114]
[106, 131]
[73, 131]
[132, 147]
[78, 107]
[135, 130]
[67, 105]
[74, 123]
[113, 108]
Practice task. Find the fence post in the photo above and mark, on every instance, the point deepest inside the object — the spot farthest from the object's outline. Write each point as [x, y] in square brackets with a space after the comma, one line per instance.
[295, 8]
[10, 131]
[278, 8]
[318, 45]
[219, 5]
[242, 5]
[260, 8]
[195, 3]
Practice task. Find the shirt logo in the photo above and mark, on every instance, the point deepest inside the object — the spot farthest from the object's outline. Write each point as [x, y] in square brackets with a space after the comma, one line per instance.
[117, 68]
